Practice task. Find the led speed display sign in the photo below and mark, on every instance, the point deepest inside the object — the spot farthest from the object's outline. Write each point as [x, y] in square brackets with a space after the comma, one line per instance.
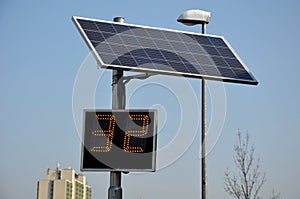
[119, 140]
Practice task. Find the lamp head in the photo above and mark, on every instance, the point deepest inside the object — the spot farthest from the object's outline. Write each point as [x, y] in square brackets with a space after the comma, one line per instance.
[194, 17]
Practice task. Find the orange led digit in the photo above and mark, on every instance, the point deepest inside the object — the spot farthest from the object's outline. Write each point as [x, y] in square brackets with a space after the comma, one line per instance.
[136, 133]
[109, 133]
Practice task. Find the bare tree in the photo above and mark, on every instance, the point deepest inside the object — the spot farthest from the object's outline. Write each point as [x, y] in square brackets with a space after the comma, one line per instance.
[248, 181]
[275, 195]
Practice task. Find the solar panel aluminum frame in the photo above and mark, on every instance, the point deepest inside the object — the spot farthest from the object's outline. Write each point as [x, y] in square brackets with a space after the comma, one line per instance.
[165, 72]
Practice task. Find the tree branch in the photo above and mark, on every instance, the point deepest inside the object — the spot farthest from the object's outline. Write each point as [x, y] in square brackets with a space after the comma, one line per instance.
[249, 181]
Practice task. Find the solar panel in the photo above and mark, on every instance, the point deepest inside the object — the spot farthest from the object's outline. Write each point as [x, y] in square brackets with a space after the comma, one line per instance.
[163, 51]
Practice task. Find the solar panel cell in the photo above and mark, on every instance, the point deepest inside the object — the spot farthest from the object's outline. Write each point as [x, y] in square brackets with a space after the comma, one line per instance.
[162, 67]
[189, 56]
[105, 27]
[111, 59]
[88, 25]
[106, 35]
[171, 36]
[227, 72]
[139, 53]
[146, 42]
[116, 39]
[104, 48]
[202, 40]
[234, 63]
[154, 54]
[95, 36]
[210, 70]
[225, 52]
[178, 46]
[219, 61]
[95, 43]
[186, 38]
[163, 51]
[139, 32]
[242, 74]
[164, 45]
[118, 49]
[217, 42]
[161, 62]
[129, 40]
[211, 50]
[180, 67]
[156, 34]
[195, 48]
[194, 70]
[128, 61]
[122, 29]
[141, 61]
[170, 56]
[204, 60]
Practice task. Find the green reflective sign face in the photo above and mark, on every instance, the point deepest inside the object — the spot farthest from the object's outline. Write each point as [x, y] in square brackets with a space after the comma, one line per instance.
[119, 140]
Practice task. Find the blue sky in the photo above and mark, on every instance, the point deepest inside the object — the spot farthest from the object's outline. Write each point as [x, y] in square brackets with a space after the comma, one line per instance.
[41, 56]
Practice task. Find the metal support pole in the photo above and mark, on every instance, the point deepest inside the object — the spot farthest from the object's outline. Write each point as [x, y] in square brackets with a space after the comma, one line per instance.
[118, 102]
[203, 27]
[115, 189]
[203, 137]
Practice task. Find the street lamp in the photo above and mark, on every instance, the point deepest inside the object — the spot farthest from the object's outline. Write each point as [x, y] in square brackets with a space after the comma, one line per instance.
[194, 17]
[191, 18]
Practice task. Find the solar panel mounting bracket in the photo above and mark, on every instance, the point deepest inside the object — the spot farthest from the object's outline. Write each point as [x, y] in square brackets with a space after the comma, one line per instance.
[127, 79]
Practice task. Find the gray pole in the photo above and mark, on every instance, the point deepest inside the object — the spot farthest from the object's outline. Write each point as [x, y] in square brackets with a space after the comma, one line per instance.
[203, 139]
[118, 102]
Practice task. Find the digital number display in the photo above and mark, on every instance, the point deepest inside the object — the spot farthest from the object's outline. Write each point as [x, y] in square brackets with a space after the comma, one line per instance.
[119, 140]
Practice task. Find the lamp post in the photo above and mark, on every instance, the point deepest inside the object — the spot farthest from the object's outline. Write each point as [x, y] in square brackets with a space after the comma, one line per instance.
[118, 102]
[190, 18]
